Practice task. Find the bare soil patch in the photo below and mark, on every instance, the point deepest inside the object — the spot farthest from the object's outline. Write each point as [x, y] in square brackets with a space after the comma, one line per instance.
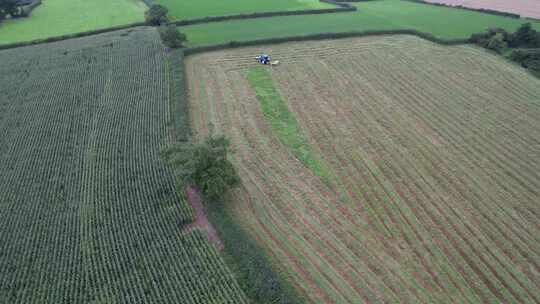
[201, 221]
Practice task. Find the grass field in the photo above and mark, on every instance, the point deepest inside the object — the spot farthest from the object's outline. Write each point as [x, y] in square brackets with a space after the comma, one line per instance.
[90, 212]
[433, 150]
[60, 17]
[202, 8]
[373, 15]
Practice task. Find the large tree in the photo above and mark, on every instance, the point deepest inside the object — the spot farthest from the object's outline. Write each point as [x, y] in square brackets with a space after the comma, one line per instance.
[9, 7]
[204, 164]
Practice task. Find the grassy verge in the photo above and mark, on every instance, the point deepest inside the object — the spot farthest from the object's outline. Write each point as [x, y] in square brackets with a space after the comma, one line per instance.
[62, 17]
[443, 22]
[283, 122]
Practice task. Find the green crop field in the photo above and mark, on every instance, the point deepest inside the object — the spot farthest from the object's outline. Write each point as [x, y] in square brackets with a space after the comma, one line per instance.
[187, 9]
[443, 22]
[433, 154]
[89, 211]
[60, 17]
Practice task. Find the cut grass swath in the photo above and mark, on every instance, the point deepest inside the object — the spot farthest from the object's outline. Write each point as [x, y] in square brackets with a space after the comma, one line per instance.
[283, 121]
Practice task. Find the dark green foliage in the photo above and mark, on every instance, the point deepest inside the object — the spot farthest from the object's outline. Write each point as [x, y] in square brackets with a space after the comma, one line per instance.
[495, 39]
[9, 7]
[204, 164]
[156, 15]
[529, 58]
[253, 269]
[341, 7]
[497, 43]
[525, 36]
[177, 97]
[171, 37]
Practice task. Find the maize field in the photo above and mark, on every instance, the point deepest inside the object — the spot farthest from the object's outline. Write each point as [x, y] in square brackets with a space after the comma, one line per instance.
[89, 211]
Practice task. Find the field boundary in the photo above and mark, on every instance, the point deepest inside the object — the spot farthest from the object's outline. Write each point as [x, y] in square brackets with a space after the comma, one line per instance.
[323, 36]
[342, 7]
[72, 36]
[250, 263]
[179, 104]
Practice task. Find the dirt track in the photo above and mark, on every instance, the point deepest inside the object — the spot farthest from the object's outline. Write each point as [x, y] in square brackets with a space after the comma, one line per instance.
[201, 221]
[525, 8]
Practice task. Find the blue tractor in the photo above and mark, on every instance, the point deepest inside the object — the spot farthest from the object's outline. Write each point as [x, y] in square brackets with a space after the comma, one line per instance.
[264, 59]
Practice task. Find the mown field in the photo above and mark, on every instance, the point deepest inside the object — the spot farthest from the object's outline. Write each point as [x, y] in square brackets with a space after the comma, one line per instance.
[60, 17]
[90, 212]
[382, 169]
[442, 22]
[203, 8]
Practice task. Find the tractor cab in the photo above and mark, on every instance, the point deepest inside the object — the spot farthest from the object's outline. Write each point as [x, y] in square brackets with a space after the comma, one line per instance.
[263, 59]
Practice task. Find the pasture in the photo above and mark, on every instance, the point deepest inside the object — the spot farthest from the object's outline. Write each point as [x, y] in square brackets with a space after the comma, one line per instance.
[61, 17]
[90, 212]
[202, 8]
[442, 22]
[431, 150]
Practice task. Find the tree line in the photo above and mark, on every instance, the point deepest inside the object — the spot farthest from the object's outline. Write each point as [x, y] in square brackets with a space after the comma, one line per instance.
[522, 46]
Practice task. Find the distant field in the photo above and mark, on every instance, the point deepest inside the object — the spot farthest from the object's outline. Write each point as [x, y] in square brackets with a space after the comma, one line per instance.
[60, 17]
[526, 8]
[89, 211]
[187, 9]
[432, 157]
[373, 15]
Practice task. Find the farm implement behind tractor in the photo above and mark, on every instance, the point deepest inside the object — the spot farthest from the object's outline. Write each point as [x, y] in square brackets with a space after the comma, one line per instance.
[265, 59]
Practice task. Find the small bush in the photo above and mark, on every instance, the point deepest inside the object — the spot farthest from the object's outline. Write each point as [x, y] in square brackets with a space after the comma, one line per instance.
[171, 37]
[205, 165]
[156, 15]
[497, 43]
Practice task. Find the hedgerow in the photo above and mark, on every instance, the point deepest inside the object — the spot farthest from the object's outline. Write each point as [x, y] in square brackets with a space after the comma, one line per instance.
[342, 7]
[324, 36]
[177, 97]
[523, 45]
[258, 277]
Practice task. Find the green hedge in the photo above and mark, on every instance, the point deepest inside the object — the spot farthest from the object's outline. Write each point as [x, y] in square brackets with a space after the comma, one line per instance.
[480, 10]
[342, 7]
[250, 264]
[179, 102]
[323, 36]
[71, 36]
